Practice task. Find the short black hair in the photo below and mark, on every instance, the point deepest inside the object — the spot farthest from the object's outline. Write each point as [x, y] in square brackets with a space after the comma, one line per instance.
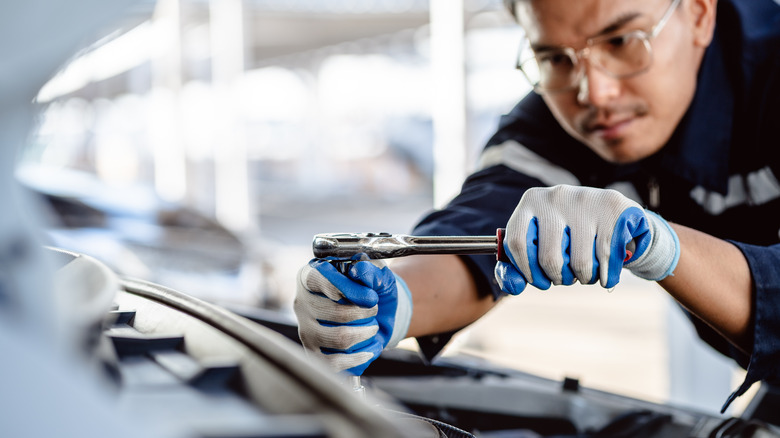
[510, 6]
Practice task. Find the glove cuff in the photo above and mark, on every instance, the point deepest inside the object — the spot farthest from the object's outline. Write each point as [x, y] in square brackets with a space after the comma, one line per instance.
[660, 259]
[403, 312]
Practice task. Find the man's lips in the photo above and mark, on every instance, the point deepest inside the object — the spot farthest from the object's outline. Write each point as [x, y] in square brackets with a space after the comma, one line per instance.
[611, 129]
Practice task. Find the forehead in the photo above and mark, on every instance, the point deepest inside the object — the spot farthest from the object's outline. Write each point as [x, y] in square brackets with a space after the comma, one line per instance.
[570, 22]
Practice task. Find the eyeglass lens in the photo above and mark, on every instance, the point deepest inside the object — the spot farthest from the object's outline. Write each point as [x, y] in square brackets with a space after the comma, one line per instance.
[620, 56]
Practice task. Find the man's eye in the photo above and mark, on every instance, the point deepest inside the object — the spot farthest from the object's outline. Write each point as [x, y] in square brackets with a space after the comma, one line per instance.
[555, 59]
[618, 41]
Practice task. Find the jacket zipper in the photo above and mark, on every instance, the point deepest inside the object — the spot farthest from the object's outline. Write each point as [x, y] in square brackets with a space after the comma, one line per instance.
[653, 193]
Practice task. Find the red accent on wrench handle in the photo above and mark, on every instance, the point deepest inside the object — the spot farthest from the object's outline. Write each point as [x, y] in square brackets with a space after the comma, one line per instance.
[500, 254]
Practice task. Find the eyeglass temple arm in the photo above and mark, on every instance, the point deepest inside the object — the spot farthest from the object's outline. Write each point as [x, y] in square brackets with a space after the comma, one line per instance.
[662, 22]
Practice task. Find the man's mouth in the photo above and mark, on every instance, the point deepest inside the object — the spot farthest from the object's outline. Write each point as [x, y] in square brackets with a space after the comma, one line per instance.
[610, 124]
[609, 130]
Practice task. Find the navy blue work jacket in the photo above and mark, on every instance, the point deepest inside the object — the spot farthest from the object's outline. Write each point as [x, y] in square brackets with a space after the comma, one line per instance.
[718, 173]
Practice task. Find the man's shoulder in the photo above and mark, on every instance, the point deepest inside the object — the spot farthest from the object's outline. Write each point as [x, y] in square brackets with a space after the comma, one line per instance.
[530, 123]
[531, 110]
[530, 141]
[754, 24]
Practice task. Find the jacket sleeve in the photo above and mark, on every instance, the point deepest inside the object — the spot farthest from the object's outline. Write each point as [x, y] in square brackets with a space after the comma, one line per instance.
[764, 362]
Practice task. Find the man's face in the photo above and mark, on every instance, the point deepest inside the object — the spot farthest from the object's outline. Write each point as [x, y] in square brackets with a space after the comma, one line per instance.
[622, 120]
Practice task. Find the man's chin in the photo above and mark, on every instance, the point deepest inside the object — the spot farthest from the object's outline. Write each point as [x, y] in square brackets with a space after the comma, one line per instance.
[619, 151]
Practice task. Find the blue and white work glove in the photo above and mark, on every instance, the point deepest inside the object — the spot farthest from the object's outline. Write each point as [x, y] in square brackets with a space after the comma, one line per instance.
[562, 234]
[349, 319]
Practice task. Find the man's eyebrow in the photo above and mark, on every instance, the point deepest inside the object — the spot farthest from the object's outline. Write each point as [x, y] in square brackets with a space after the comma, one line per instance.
[616, 25]
[620, 22]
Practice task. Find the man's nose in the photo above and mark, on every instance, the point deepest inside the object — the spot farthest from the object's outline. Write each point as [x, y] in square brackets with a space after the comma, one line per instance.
[596, 87]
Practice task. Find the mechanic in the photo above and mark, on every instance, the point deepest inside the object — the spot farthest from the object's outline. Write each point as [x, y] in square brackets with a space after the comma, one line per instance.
[649, 143]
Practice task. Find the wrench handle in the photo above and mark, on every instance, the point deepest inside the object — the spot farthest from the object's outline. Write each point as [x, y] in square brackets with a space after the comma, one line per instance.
[385, 245]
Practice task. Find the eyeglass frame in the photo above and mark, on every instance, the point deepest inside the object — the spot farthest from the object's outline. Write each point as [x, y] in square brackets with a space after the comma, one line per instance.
[578, 56]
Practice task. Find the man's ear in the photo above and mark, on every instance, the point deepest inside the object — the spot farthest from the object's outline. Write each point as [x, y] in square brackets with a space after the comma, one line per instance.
[702, 16]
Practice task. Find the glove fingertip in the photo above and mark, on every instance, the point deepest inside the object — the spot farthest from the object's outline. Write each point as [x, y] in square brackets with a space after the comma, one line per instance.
[509, 279]
[358, 370]
[367, 298]
[375, 277]
[370, 352]
[610, 282]
[611, 277]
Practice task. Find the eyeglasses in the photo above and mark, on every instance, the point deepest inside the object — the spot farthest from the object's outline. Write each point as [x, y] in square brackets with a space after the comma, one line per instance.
[621, 56]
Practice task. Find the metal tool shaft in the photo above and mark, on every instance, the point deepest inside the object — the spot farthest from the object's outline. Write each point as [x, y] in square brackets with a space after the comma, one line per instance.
[385, 245]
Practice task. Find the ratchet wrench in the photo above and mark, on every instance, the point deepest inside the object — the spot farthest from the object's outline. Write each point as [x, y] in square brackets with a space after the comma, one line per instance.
[386, 245]
[342, 246]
